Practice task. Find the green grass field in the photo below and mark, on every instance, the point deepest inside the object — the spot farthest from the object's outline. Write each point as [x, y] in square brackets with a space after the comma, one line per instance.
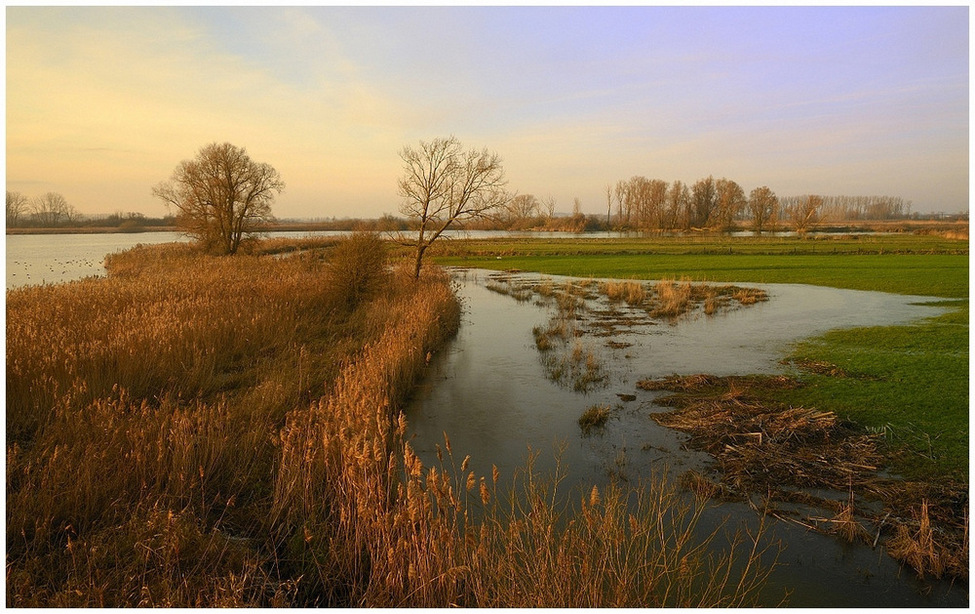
[929, 275]
[910, 382]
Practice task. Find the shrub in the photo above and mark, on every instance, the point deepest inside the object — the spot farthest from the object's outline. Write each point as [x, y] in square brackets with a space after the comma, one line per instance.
[357, 268]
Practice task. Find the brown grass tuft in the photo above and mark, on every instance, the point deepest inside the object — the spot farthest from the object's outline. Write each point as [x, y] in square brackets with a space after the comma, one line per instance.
[631, 292]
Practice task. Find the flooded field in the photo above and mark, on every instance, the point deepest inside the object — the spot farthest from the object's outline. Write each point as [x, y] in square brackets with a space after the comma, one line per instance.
[519, 376]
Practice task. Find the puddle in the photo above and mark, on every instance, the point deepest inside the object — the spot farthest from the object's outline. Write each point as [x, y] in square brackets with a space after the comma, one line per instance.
[492, 392]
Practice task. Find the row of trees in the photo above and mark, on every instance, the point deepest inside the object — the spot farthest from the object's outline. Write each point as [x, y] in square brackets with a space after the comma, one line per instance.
[48, 210]
[52, 210]
[653, 204]
[719, 204]
[847, 208]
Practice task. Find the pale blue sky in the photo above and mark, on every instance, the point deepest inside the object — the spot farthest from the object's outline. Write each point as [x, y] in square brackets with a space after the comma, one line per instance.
[102, 103]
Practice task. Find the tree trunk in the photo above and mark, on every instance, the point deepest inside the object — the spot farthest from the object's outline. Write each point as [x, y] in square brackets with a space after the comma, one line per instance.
[420, 248]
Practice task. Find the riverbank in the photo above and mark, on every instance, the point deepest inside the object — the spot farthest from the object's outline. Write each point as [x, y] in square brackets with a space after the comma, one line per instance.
[157, 422]
[809, 466]
[91, 230]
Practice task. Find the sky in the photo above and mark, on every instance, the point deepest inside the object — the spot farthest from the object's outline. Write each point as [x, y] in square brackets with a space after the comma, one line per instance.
[103, 102]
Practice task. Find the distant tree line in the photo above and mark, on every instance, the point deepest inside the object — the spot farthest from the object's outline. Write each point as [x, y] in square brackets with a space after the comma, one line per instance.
[721, 204]
[52, 210]
[221, 197]
[48, 210]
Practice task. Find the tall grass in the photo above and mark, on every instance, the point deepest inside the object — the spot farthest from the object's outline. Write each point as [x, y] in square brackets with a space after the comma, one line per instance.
[631, 292]
[197, 431]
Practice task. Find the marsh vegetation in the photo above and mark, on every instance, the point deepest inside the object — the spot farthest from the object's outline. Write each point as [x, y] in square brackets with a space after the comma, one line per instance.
[798, 458]
[775, 440]
[208, 431]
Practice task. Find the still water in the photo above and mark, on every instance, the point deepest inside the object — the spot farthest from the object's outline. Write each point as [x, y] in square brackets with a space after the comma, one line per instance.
[489, 392]
[55, 258]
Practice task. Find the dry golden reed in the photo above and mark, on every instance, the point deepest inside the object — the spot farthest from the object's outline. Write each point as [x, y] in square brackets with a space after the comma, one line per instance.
[631, 292]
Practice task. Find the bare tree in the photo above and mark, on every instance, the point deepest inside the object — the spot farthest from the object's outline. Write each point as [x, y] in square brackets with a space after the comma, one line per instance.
[442, 183]
[656, 204]
[679, 208]
[549, 205]
[621, 192]
[51, 209]
[704, 200]
[730, 201]
[17, 206]
[764, 206]
[804, 211]
[222, 196]
[523, 206]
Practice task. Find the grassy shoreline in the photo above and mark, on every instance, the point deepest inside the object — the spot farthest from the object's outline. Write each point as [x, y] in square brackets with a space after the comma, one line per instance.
[902, 264]
[908, 383]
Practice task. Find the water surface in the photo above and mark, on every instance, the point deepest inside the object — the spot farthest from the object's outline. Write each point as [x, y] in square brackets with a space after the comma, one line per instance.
[489, 392]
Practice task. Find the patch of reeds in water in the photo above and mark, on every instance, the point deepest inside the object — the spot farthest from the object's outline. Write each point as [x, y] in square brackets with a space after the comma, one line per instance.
[566, 358]
[670, 299]
[594, 417]
[506, 288]
[633, 293]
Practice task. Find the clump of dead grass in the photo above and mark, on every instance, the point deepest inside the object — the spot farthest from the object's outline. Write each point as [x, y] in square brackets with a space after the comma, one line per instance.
[595, 416]
[764, 447]
[671, 299]
[633, 293]
[921, 545]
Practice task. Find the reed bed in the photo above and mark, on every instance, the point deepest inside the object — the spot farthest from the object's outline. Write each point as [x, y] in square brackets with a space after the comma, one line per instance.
[197, 431]
[568, 361]
[672, 299]
[631, 292]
